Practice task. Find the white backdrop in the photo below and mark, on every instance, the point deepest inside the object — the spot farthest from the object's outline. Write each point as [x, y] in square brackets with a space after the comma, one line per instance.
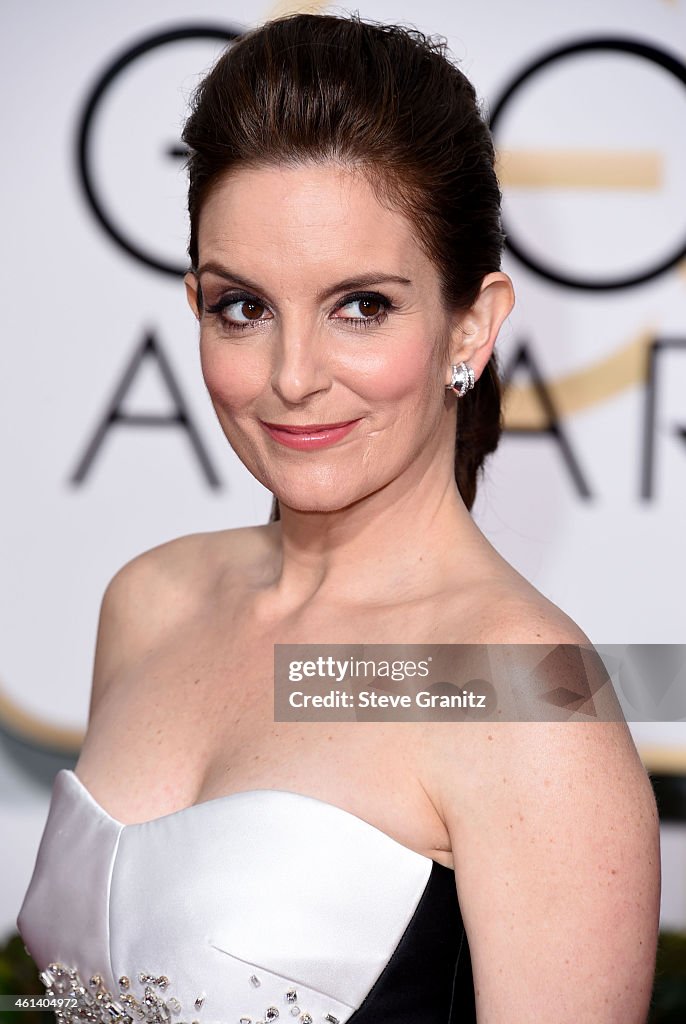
[591, 149]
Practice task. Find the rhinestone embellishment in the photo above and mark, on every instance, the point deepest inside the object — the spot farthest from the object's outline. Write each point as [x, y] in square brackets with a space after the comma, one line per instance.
[272, 1012]
[94, 1003]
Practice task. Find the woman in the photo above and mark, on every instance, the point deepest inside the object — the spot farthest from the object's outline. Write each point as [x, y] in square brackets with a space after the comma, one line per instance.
[345, 249]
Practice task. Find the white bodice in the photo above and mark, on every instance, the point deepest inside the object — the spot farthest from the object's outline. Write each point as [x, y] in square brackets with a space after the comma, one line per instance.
[248, 907]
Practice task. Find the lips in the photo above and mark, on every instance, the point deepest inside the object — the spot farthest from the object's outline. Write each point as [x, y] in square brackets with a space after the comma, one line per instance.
[309, 428]
[303, 437]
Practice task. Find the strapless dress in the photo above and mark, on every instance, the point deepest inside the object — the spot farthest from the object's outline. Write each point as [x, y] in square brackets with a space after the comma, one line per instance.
[256, 906]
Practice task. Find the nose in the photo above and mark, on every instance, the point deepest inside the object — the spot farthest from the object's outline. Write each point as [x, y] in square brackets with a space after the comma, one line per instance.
[301, 366]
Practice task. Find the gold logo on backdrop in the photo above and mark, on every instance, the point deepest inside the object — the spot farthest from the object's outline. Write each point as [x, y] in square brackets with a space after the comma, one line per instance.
[580, 389]
[595, 169]
[580, 168]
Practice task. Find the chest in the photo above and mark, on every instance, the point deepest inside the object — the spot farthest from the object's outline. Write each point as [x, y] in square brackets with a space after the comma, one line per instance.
[195, 721]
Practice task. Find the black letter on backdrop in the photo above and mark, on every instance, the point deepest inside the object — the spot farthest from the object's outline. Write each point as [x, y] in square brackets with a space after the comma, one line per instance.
[650, 413]
[114, 414]
[523, 356]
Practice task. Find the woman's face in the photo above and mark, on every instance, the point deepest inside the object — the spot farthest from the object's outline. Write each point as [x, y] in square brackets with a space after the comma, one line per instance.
[320, 308]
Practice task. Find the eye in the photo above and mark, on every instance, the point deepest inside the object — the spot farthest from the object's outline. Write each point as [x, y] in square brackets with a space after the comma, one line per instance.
[247, 310]
[247, 306]
[374, 308]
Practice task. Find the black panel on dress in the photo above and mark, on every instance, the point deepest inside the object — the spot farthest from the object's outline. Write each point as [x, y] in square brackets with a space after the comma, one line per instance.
[428, 979]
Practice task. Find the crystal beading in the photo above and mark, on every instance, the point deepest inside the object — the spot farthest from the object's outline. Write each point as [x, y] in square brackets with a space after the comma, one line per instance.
[94, 1003]
[271, 1013]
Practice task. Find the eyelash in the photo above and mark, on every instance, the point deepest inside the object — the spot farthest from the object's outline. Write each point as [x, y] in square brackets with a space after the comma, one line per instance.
[356, 322]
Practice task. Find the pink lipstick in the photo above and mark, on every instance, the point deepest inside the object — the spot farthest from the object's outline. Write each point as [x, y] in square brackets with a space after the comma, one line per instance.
[309, 436]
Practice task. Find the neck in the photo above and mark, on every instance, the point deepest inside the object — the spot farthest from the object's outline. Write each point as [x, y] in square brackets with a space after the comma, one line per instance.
[406, 541]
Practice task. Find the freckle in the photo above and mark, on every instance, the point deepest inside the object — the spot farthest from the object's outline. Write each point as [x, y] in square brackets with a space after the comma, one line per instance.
[504, 779]
[490, 737]
[614, 871]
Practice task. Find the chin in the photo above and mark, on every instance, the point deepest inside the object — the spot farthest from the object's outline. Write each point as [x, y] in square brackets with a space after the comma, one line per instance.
[330, 502]
[312, 505]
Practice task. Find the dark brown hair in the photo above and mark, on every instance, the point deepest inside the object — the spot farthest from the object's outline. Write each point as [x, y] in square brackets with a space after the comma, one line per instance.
[384, 99]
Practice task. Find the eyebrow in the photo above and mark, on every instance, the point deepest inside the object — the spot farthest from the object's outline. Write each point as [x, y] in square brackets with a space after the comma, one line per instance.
[359, 281]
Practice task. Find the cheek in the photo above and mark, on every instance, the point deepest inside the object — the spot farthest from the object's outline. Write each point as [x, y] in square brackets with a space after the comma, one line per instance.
[406, 371]
[231, 377]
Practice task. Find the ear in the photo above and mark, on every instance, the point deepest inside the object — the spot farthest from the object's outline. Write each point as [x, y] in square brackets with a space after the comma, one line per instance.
[473, 338]
[193, 293]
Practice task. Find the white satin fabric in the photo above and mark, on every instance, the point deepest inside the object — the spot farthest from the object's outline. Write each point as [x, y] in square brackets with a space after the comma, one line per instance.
[288, 888]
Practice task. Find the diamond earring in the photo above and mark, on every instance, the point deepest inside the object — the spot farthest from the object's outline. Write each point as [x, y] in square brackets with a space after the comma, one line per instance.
[462, 379]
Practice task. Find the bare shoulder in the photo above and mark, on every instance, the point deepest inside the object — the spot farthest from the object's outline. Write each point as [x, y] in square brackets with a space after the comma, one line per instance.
[171, 576]
[513, 611]
[155, 592]
[542, 667]
[554, 832]
[149, 586]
